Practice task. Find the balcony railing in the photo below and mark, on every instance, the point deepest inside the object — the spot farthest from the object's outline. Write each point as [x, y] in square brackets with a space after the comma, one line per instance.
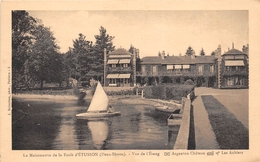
[234, 72]
[119, 69]
[176, 73]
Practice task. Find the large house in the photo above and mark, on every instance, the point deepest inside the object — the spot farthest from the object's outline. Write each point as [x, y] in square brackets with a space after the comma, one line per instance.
[177, 69]
[233, 68]
[120, 68]
[229, 70]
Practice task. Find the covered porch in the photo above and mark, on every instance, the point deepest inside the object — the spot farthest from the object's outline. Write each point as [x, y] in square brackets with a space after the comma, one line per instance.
[118, 80]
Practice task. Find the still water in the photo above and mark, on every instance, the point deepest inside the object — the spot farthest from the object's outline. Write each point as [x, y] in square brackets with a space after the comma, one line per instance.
[44, 124]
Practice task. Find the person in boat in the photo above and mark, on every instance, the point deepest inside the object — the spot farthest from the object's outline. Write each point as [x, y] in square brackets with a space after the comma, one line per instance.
[110, 109]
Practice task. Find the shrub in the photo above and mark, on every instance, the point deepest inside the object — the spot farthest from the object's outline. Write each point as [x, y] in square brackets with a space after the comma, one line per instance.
[189, 82]
[168, 92]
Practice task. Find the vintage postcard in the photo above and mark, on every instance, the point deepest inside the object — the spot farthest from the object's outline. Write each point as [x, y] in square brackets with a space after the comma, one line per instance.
[129, 81]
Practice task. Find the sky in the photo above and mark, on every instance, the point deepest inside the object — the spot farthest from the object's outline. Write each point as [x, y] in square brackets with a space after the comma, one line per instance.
[152, 31]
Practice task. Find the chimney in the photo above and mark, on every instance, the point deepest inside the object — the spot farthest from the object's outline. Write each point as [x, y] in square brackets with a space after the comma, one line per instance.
[163, 54]
[219, 53]
[245, 49]
[232, 45]
[137, 53]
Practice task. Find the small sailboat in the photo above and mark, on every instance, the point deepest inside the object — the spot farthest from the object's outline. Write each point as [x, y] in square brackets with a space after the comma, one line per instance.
[99, 105]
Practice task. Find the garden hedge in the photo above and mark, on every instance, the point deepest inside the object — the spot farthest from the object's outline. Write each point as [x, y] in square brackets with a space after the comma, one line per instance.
[169, 92]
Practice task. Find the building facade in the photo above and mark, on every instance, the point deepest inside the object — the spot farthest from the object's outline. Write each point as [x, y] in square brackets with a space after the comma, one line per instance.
[229, 70]
[120, 68]
[177, 69]
[233, 69]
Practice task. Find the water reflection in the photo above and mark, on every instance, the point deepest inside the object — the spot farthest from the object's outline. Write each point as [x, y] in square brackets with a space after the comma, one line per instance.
[172, 134]
[99, 131]
[66, 138]
[138, 127]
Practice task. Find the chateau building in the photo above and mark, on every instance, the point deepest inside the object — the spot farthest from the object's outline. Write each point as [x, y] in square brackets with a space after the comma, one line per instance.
[120, 68]
[229, 70]
[233, 68]
[177, 69]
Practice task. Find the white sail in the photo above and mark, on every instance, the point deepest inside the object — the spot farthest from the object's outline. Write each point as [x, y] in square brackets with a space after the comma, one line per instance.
[99, 131]
[99, 101]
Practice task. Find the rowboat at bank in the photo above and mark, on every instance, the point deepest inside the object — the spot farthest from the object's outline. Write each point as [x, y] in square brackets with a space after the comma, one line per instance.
[167, 109]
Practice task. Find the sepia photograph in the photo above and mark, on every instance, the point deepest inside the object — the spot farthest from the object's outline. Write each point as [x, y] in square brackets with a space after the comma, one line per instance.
[129, 83]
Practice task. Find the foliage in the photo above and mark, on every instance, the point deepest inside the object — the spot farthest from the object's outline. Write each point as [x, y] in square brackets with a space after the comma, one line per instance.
[230, 132]
[35, 55]
[212, 53]
[36, 59]
[168, 92]
[138, 60]
[23, 27]
[78, 58]
[190, 51]
[103, 41]
[202, 53]
[189, 82]
[45, 64]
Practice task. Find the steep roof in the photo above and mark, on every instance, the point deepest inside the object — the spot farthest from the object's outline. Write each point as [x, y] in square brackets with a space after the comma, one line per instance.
[234, 52]
[177, 60]
[205, 59]
[151, 60]
[120, 51]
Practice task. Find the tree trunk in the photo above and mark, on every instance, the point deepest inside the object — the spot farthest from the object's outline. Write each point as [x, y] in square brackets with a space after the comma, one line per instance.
[41, 84]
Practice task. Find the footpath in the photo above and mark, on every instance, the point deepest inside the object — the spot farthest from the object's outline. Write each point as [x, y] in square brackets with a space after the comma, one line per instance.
[235, 100]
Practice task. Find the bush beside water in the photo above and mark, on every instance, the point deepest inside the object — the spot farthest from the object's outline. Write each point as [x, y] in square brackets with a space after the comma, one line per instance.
[164, 92]
[169, 92]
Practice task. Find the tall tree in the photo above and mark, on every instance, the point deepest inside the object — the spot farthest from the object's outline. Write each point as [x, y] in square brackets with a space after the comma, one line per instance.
[45, 62]
[202, 53]
[80, 56]
[190, 51]
[103, 40]
[138, 60]
[23, 26]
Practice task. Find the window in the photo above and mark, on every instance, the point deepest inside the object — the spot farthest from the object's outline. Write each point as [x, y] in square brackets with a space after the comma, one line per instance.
[113, 65]
[126, 80]
[143, 69]
[154, 69]
[200, 68]
[125, 65]
[211, 69]
[112, 81]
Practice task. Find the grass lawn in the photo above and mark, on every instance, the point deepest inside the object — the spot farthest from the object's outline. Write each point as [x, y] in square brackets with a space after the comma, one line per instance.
[230, 132]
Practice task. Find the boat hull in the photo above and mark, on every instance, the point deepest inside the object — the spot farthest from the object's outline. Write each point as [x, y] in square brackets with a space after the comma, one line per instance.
[97, 114]
[167, 110]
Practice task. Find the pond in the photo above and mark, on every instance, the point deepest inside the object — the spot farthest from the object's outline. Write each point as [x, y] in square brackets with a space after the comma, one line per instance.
[45, 124]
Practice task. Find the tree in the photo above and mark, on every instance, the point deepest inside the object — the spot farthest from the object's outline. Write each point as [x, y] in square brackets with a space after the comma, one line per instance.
[202, 53]
[45, 63]
[212, 53]
[190, 51]
[23, 27]
[80, 55]
[138, 60]
[96, 61]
